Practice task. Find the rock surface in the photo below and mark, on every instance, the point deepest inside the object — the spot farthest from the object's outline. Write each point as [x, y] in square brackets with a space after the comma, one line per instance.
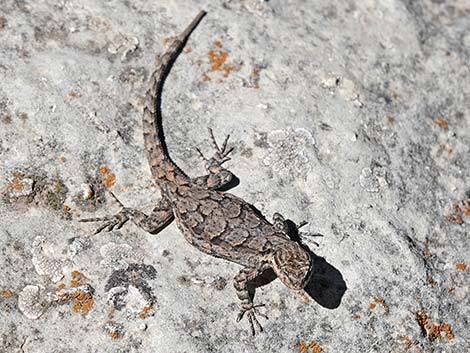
[351, 115]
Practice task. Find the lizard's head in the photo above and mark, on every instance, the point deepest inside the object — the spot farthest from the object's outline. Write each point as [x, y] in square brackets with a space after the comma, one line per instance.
[292, 264]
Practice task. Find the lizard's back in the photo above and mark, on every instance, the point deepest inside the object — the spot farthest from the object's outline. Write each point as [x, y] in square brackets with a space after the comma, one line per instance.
[223, 225]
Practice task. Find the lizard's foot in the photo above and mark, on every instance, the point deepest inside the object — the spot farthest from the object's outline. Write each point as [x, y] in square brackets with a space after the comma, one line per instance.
[221, 152]
[291, 229]
[251, 315]
[109, 222]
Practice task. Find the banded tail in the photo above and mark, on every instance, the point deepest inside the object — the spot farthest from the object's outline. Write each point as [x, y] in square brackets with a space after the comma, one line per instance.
[161, 165]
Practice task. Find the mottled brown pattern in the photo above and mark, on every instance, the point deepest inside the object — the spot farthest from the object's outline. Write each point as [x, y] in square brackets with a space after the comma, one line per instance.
[215, 222]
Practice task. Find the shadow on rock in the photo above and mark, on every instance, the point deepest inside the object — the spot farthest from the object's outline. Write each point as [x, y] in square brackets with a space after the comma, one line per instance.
[326, 286]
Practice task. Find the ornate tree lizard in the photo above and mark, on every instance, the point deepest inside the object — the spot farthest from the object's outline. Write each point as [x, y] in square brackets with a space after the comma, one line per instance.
[217, 223]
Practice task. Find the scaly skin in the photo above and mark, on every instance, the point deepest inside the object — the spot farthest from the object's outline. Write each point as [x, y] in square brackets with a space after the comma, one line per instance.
[217, 223]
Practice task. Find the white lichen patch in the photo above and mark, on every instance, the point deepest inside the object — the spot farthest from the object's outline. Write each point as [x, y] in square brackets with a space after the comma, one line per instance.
[44, 263]
[124, 45]
[290, 151]
[78, 244]
[373, 179]
[118, 256]
[30, 302]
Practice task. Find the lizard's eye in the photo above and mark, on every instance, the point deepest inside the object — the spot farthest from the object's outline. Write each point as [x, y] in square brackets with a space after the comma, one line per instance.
[292, 264]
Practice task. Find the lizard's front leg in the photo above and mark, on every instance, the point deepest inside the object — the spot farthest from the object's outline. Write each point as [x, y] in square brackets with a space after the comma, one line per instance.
[218, 176]
[241, 282]
[161, 216]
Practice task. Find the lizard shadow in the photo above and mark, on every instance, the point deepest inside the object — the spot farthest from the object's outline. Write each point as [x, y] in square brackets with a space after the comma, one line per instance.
[234, 182]
[326, 285]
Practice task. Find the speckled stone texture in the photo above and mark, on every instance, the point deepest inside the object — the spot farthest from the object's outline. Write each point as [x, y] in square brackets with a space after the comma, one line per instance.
[352, 115]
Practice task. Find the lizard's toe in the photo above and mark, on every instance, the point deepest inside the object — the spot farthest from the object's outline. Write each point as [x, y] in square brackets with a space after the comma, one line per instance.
[251, 316]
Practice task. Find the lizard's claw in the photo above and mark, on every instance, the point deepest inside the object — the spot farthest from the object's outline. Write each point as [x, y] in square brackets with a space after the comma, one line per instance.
[251, 315]
[109, 222]
[221, 154]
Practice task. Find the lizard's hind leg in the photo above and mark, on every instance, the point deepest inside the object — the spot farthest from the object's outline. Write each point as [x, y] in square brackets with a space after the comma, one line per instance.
[161, 216]
[241, 283]
[218, 176]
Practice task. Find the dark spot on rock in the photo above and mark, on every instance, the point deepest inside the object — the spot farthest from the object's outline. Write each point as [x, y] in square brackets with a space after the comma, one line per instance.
[6, 119]
[136, 275]
[3, 22]
[53, 194]
[219, 283]
[23, 116]
[184, 281]
[132, 75]
[325, 127]
[261, 140]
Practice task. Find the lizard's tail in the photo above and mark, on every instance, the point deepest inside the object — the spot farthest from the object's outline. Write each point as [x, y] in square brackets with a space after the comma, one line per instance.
[161, 165]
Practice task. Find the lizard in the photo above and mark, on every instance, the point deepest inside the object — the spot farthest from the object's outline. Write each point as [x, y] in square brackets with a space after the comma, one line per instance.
[216, 222]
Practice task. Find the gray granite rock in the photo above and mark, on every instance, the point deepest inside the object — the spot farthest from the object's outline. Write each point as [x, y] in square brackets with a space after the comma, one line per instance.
[353, 116]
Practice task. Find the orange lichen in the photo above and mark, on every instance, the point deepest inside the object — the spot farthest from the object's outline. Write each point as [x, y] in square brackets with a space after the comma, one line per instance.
[466, 210]
[408, 342]
[372, 305]
[310, 347]
[205, 77]
[422, 318]
[167, 40]
[83, 303]
[60, 286]
[431, 281]
[302, 347]
[227, 69]
[62, 159]
[357, 317]
[390, 119]
[217, 59]
[381, 301]
[315, 348]
[442, 123]
[461, 266]
[74, 94]
[114, 335]
[448, 331]
[78, 279]
[15, 184]
[455, 218]
[217, 44]
[6, 293]
[109, 180]
[104, 170]
[433, 331]
[145, 311]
